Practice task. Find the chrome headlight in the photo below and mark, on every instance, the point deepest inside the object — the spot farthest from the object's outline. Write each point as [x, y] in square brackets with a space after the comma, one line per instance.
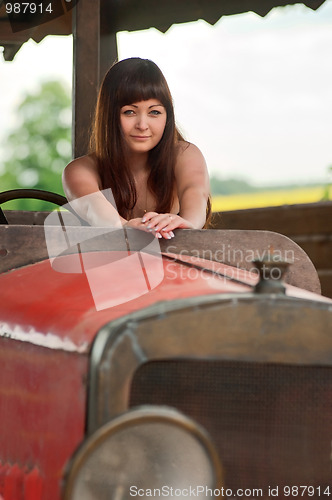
[148, 451]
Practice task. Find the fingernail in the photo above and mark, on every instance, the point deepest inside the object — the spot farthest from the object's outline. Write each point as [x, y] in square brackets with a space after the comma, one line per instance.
[148, 226]
[168, 236]
[143, 220]
[158, 235]
[172, 234]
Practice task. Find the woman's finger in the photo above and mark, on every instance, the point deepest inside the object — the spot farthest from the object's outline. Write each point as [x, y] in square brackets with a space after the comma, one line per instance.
[146, 217]
[154, 221]
[166, 220]
[161, 224]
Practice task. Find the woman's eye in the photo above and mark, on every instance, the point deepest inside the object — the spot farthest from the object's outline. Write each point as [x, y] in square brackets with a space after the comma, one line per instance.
[128, 112]
[155, 112]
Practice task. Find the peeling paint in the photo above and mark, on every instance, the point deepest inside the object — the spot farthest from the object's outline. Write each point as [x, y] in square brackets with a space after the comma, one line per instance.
[48, 340]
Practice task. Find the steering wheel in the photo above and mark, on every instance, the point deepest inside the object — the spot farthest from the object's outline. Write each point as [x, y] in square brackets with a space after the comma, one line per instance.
[36, 194]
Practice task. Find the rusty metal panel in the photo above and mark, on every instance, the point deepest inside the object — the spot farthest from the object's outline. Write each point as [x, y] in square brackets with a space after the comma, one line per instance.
[42, 412]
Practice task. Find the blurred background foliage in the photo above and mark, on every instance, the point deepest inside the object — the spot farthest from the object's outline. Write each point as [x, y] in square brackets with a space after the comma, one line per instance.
[327, 195]
[39, 147]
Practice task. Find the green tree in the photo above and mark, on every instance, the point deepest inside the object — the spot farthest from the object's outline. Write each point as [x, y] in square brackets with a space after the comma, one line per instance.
[229, 186]
[40, 147]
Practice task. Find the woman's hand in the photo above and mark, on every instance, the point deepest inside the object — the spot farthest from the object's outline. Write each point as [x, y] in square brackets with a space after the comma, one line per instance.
[165, 223]
[138, 224]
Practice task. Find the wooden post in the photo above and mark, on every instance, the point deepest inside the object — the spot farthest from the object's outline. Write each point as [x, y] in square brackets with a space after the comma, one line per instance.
[95, 50]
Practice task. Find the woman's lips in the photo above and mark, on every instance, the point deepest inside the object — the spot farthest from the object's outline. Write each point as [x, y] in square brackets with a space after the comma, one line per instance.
[140, 137]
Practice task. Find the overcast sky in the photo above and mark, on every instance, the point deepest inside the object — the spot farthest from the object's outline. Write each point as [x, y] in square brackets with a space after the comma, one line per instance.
[255, 94]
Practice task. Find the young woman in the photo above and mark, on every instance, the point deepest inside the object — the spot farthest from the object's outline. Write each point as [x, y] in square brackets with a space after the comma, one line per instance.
[158, 181]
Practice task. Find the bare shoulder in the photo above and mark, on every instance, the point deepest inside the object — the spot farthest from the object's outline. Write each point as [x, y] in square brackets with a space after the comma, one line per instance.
[81, 177]
[85, 163]
[190, 167]
[188, 148]
[189, 154]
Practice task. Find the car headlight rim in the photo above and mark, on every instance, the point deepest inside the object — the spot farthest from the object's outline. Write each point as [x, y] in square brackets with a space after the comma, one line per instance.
[134, 418]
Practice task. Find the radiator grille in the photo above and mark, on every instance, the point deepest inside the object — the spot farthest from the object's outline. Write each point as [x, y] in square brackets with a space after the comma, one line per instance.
[272, 424]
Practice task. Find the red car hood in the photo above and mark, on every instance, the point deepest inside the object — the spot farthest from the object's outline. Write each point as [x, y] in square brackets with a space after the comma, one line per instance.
[59, 310]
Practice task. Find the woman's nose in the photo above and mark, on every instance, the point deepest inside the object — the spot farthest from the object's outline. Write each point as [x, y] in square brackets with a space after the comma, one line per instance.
[141, 122]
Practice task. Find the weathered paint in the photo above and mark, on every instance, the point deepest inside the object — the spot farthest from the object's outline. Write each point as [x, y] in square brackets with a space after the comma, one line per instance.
[36, 300]
[48, 323]
[42, 409]
[20, 483]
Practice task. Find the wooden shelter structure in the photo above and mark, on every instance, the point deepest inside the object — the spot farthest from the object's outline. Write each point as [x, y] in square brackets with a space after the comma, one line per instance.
[94, 27]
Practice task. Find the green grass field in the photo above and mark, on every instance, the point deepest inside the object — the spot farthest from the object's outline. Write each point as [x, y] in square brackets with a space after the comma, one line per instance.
[269, 198]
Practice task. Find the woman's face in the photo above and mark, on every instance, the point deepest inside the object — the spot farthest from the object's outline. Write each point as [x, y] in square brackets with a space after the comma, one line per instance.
[143, 124]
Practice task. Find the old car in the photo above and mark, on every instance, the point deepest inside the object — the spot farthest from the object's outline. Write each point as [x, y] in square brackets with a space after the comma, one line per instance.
[198, 367]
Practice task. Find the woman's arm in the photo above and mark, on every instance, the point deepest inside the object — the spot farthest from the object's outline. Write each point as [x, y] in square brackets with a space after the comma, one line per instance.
[81, 185]
[193, 188]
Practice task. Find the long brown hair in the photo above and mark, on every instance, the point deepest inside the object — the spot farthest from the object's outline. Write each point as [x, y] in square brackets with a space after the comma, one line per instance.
[128, 81]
